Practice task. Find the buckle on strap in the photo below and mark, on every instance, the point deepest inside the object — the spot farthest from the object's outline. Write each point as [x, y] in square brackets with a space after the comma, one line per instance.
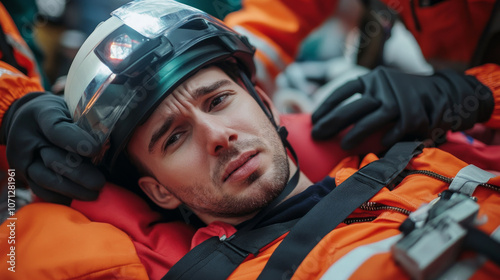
[433, 243]
[468, 178]
[226, 241]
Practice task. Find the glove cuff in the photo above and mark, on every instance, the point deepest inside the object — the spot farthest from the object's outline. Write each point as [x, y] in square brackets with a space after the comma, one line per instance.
[485, 99]
[470, 101]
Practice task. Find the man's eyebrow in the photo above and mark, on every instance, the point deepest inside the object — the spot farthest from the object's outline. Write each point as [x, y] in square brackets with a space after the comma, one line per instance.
[201, 91]
[198, 93]
[160, 132]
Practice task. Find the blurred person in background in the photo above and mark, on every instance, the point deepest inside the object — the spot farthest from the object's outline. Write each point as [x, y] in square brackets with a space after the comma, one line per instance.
[452, 35]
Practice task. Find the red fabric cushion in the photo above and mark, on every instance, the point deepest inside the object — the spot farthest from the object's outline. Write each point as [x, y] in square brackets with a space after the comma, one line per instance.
[159, 244]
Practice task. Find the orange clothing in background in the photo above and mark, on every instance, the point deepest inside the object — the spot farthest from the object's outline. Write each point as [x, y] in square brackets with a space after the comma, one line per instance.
[489, 75]
[446, 31]
[13, 83]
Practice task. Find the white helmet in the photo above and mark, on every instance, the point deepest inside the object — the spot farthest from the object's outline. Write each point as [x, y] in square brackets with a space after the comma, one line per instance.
[133, 60]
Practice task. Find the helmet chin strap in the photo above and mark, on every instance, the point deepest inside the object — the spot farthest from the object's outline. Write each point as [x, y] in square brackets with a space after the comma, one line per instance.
[283, 133]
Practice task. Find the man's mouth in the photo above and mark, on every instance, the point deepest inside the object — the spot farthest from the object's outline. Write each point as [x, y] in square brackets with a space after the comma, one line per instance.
[241, 167]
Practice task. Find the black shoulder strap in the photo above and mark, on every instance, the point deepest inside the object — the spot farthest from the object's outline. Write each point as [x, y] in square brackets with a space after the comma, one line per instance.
[218, 258]
[335, 208]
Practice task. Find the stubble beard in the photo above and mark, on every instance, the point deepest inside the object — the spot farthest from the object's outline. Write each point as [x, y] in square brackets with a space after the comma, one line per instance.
[264, 190]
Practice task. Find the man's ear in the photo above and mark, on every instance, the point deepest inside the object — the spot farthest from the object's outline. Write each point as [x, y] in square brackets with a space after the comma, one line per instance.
[158, 193]
[269, 103]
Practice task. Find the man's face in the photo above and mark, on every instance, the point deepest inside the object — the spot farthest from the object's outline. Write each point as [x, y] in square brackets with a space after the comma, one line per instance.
[209, 146]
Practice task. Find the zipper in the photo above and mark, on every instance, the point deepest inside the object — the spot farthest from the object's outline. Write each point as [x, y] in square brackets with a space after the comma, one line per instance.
[446, 179]
[434, 175]
[349, 221]
[374, 206]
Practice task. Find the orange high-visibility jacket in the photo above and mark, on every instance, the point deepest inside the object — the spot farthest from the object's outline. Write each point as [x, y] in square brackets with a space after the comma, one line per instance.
[119, 237]
[361, 250]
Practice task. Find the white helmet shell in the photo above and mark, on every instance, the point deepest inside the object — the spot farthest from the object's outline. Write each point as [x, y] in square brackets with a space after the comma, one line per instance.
[133, 60]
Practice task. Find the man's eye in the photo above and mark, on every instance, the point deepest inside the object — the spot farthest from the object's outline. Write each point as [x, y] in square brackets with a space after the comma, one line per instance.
[172, 139]
[216, 101]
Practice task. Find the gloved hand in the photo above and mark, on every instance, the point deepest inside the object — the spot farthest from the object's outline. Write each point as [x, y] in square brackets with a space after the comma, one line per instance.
[413, 107]
[49, 151]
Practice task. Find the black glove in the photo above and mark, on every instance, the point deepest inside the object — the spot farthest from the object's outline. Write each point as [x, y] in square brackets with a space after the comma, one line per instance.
[413, 107]
[48, 151]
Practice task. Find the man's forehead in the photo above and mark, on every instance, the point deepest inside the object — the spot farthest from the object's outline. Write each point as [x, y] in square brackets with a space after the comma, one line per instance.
[200, 84]
[197, 85]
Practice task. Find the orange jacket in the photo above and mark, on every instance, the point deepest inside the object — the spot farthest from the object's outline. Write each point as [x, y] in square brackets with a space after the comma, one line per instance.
[118, 235]
[50, 241]
[489, 75]
[115, 237]
[13, 85]
[361, 250]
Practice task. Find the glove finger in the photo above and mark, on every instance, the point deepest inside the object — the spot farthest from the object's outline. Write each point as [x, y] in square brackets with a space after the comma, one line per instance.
[58, 127]
[365, 128]
[410, 129]
[74, 167]
[342, 117]
[393, 136]
[336, 97]
[47, 179]
[49, 196]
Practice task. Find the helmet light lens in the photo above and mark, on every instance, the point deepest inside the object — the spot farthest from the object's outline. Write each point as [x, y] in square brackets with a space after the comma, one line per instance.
[121, 47]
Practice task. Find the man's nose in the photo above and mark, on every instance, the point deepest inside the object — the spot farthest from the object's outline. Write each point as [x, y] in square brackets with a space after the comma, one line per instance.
[217, 134]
